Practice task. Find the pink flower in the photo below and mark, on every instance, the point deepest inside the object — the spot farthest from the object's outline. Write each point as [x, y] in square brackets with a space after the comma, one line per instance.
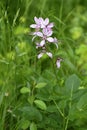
[41, 23]
[58, 62]
[43, 32]
[38, 45]
[38, 23]
[45, 36]
[47, 31]
[44, 23]
[44, 52]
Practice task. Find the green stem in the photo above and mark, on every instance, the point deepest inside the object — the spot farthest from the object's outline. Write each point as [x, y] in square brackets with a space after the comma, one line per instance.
[58, 109]
[70, 105]
[54, 71]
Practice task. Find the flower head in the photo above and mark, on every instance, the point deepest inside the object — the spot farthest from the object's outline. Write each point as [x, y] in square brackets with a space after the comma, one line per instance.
[58, 62]
[38, 23]
[43, 32]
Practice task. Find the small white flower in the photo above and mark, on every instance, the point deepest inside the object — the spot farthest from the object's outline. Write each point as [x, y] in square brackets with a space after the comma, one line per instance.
[40, 55]
[58, 62]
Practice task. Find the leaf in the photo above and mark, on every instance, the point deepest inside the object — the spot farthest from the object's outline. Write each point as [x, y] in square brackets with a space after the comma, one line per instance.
[31, 113]
[51, 108]
[33, 126]
[25, 90]
[72, 83]
[82, 103]
[40, 85]
[40, 104]
[22, 54]
[31, 99]
[1, 98]
[25, 124]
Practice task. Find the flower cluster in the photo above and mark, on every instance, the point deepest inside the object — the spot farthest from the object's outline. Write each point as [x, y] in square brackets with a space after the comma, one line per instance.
[43, 31]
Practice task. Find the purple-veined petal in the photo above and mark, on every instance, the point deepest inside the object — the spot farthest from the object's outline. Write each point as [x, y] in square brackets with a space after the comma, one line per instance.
[39, 34]
[33, 25]
[50, 33]
[44, 31]
[55, 40]
[47, 31]
[50, 25]
[46, 21]
[49, 54]
[50, 39]
[40, 55]
[42, 25]
[41, 20]
[42, 43]
[36, 20]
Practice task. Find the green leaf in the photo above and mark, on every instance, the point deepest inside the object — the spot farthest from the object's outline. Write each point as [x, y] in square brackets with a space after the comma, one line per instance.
[82, 103]
[31, 113]
[25, 124]
[40, 85]
[31, 99]
[33, 126]
[40, 104]
[25, 90]
[72, 83]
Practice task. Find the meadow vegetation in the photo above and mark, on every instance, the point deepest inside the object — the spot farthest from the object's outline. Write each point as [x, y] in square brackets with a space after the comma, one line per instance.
[34, 93]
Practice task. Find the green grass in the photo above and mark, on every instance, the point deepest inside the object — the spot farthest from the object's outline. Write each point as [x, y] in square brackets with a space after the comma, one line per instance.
[59, 102]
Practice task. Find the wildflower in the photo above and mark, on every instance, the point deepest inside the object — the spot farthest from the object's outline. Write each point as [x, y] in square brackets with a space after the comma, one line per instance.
[45, 37]
[41, 23]
[58, 62]
[43, 32]
[38, 45]
[38, 23]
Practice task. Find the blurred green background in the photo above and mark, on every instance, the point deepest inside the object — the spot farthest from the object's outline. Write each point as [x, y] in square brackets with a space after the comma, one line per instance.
[19, 66]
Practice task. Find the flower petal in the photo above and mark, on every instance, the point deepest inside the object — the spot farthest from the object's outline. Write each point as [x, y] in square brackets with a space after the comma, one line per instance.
[40, 55]
[37, 45]
[46, 21]
[49, 54]
[36, 20]
[41, 20]
[33, 26]
[58, 62]
[50, 33]
[50, 25]
[39, 34]
[47, 31]
[50, 39]
[42, 43]
[55, 40]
